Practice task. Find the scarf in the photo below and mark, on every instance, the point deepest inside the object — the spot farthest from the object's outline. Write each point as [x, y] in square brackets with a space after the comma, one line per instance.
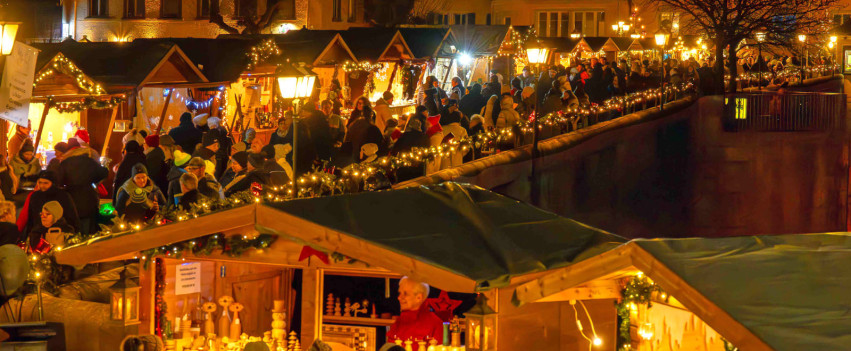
[137, 194]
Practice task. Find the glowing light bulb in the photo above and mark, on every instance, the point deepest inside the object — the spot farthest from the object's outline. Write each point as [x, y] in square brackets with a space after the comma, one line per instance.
[597, 341]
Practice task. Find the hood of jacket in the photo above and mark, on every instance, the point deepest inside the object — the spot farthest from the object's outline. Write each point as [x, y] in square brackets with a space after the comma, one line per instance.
[79, 151]
[186, 120]
[507, 103]
[174, 173]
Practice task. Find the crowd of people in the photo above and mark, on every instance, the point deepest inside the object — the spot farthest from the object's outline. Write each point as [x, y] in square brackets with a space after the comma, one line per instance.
[200, 160]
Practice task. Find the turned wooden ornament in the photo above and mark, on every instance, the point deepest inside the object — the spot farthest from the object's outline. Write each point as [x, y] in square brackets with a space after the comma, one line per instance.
[224, 320]
[236, 326]
[209, 308]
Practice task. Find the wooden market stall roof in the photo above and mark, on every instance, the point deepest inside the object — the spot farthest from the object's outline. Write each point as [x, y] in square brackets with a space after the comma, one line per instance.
[475, 40]
[377, 44]
[597, 43]
[125, 66]
[455, 237]
[559, 44]
[312, 47]
[782, 292]
[220, 60]
[424, 41]
[625, 44]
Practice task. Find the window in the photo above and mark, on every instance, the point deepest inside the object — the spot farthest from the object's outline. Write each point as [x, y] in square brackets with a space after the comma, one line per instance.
[507, 21]
[471, 18]
[134, 8]
[245, 8]
[170, 8]
[488, 19]
[203, 8]
[464, 18]
[352, 10]
[841, 18]
[336, 11]
[98, 8]
[562, 23]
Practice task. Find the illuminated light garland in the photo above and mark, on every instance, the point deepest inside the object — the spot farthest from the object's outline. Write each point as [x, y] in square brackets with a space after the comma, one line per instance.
[84, 104]
[636, 291]
[262, 53]
[63, 65]
[367, 66]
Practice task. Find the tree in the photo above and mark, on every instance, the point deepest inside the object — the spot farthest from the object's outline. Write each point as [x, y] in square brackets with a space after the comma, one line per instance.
[252, 23]
[388, 13]
[423, 9]
[728, 22]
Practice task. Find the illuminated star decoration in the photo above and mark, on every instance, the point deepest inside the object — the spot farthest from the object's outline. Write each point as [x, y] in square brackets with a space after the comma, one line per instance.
[443, 306]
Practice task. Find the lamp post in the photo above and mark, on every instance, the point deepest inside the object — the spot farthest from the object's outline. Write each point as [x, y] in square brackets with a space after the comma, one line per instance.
[537, 55]
[661, 37]
[760, 37]
[620, 28]
[803, 39]
[832, 46]
[295, 83]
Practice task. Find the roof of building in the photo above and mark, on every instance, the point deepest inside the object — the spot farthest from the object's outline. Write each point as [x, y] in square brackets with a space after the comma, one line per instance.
[303, 45]
[476, 40]
[424, 42]
[368, 43]
[222, 60]
[596, 43]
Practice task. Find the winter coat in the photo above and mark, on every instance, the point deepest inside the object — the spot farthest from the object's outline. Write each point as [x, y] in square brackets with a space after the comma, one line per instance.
[431, 102]
[27, 172]
[16, 141]
[507, 116]
[173, 177]
[243, 181]
[458, 133]
[8, 182]
[186, 135]
[320, 134]
[362, 132]
[552, 103]
[459, 89]
[490, 112]
[125, 168]
[37, 234]
[9, 234]
[188, 198]
[136, 203]
[79, 174]
[382, 113]
[473, 102]
[30, 216]
[157, 167]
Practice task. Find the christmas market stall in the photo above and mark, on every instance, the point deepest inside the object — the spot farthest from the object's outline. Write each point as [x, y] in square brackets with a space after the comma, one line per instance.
[563, 49]
[424, 42]
[322, 51]
[109, 88]
[472, 52]
[385, 60]
[693, 294]
[625, 48]
[283, 272]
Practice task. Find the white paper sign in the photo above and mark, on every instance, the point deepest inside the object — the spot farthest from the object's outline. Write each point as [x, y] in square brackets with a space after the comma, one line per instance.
[188, 278]
[16, 87]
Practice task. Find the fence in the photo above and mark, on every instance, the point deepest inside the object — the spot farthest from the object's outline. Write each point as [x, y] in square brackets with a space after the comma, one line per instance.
[784, 112]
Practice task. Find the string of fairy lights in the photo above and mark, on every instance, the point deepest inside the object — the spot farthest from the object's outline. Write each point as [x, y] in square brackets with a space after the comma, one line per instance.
[63, 65]
[262, 53]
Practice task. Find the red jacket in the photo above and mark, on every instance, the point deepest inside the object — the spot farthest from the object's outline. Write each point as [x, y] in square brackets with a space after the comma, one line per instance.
[416, 325]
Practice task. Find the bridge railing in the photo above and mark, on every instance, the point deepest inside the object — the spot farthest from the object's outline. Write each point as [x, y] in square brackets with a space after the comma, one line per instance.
[784, 112]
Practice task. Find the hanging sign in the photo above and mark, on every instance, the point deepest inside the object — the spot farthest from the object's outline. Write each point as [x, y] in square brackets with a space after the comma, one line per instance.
[16, 87]
[188, 278]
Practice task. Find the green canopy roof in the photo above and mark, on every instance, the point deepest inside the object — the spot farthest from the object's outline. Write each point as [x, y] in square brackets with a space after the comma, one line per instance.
[468, 230]
[791, 291]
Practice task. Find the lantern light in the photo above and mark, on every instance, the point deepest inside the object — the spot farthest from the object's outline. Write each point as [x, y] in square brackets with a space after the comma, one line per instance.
[760, 36]
[481, 326]
[802, 37]
[295, 82]
[833, 38]
[575, 34]
[465, 59]
[662, 37]
[10, 30]
[124, 299]
[537, 55]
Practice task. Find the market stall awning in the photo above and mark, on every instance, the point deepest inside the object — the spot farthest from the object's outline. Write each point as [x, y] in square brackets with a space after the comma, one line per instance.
[377, 44]
[784, 292]
[424, 42]
[123, 66]
[475, 40]
[456, 237]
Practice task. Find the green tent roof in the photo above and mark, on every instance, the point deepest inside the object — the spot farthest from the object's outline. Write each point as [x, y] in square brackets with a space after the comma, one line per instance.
[468, 230]
[791, 291]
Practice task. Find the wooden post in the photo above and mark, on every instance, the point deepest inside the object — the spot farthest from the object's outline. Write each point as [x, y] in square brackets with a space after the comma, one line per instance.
[165, 108]
[4, 137]
[236, 113]
[41, 124]
[446, 76]
[109, 128]
[392, 77]
[311, 304]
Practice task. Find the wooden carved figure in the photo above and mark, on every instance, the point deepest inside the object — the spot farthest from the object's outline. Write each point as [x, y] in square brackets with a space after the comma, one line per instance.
[224, 320]
[209, 308]
[347, 308]
[337, 310]
[329, 305]
[236, 326]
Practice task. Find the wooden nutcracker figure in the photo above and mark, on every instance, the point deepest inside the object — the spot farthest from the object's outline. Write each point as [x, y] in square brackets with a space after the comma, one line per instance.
[224, 320]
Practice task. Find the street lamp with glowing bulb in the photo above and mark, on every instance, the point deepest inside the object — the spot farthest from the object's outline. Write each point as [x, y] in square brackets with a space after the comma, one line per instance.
[662, 37]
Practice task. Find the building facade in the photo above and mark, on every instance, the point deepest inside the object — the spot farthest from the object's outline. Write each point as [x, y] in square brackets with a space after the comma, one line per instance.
[125, 20]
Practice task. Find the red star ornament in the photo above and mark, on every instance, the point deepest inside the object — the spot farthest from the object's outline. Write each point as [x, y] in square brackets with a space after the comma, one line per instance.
[443, 306]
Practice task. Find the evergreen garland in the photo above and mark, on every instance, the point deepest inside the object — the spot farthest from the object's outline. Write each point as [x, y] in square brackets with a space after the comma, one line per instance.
[638, 290]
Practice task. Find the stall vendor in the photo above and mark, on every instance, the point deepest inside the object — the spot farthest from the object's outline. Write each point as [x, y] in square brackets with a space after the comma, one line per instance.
[416, 321]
